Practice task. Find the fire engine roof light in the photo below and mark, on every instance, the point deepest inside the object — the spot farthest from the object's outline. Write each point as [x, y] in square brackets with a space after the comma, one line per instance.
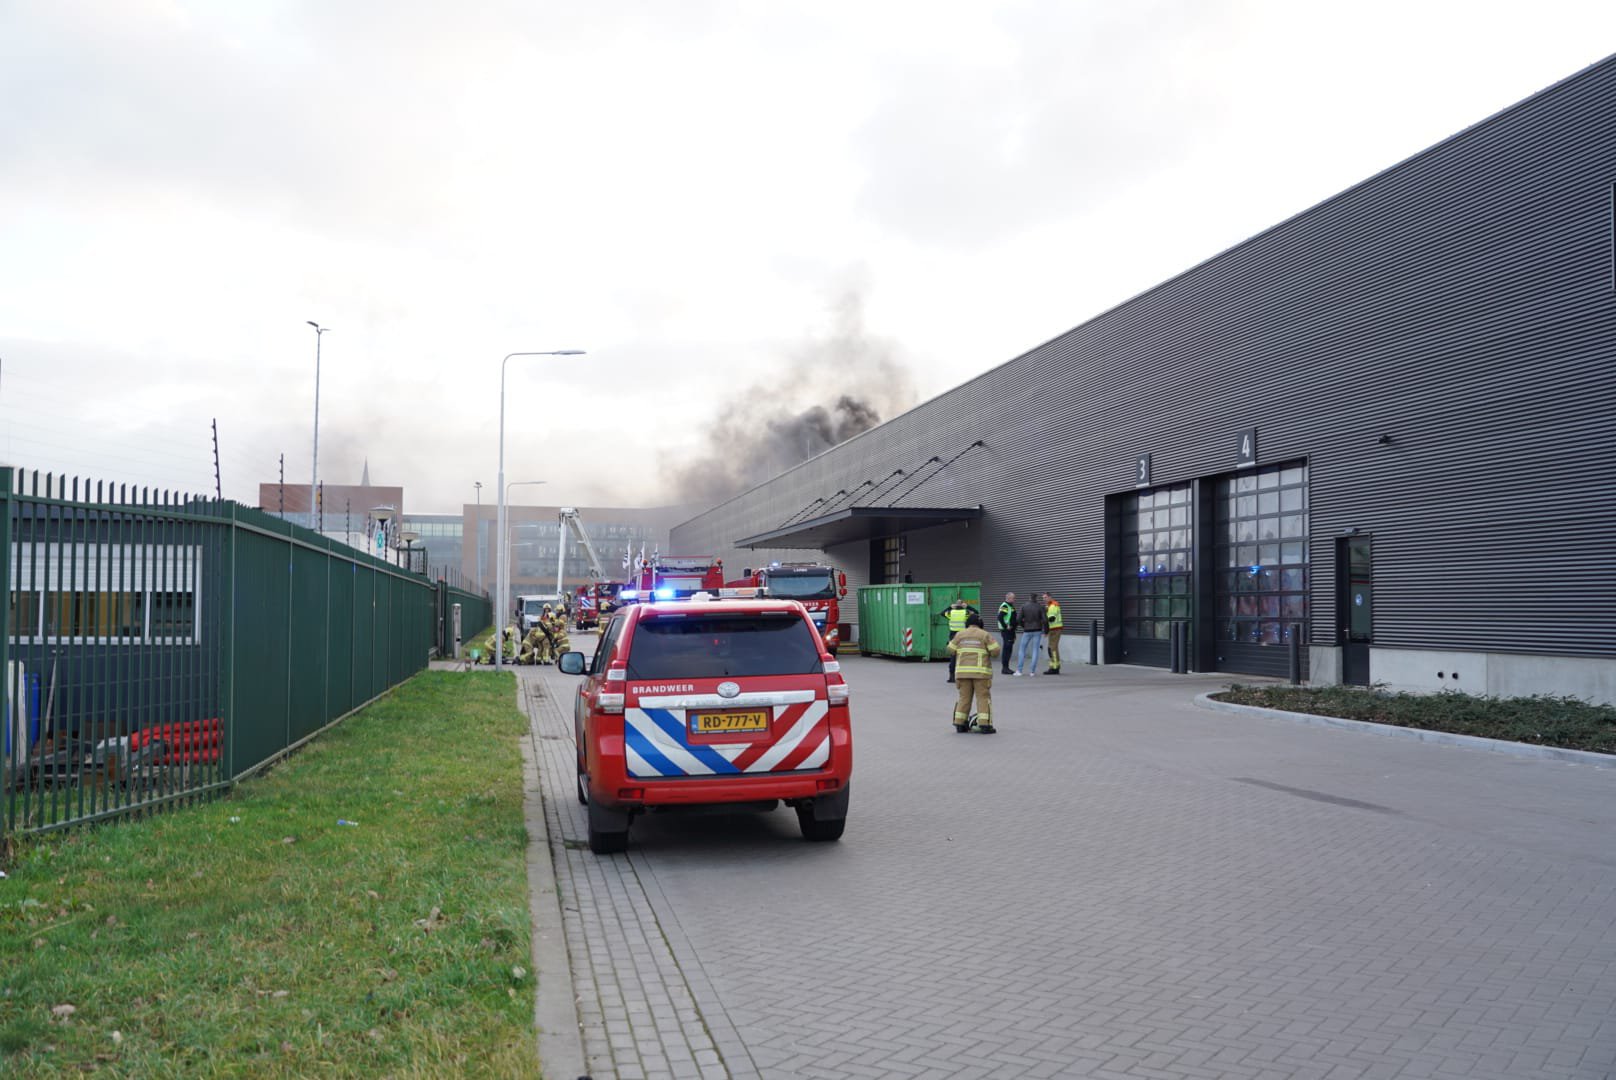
[664, 594]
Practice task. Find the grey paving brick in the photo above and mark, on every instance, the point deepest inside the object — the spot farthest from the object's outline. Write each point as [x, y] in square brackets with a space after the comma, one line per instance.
[1097, 892]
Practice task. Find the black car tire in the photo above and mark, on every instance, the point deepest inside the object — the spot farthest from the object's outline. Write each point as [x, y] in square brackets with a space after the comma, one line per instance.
[824, 818]
[608, 830]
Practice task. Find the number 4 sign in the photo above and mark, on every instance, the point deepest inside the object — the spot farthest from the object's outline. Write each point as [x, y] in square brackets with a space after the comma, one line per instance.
[1247, 454]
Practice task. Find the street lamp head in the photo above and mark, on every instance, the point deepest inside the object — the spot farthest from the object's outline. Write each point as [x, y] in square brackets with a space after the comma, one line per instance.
[568, 352]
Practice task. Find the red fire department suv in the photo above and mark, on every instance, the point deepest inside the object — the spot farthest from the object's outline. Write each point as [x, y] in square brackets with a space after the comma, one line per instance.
[711, 701]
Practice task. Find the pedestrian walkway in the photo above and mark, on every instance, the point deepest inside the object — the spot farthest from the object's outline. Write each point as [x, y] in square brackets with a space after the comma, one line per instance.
[638, 1009]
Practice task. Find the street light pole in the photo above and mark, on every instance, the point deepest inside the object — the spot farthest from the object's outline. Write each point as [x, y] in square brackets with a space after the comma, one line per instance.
[504, 567]
[477, 529]
[502, 585]
[314, 479]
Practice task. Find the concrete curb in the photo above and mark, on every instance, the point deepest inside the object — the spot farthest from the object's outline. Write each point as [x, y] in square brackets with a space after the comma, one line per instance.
[555, 1003]
[1443, 738]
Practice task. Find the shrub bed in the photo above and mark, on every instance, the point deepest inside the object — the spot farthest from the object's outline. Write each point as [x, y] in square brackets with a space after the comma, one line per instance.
[1565, 722]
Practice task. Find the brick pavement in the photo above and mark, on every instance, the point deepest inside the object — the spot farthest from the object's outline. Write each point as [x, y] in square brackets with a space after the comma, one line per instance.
[1118, 885]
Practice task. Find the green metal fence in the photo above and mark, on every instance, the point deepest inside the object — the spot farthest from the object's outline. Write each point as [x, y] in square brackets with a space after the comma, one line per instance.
[157, 648]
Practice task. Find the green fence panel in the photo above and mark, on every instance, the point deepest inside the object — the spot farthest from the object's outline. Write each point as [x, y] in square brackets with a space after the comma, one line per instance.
[381, 656]
[339, 643]
[362, 629]
[476, 614]
[306, 644]
[262, 620]
[156, 647]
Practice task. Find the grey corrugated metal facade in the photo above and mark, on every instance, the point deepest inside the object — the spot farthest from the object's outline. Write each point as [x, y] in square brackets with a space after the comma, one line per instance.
[1428, 362]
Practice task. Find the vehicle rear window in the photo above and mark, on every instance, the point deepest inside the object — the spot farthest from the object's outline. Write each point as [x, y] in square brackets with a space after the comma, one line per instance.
[722, 646]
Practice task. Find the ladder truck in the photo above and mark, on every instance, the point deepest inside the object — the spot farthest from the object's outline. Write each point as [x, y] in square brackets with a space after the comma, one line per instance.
[586, 608]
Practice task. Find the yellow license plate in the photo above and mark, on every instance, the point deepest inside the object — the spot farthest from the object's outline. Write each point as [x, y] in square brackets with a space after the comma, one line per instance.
[708, 723]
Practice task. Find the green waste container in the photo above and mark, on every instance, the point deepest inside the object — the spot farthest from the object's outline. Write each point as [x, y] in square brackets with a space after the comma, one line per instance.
[906, 620]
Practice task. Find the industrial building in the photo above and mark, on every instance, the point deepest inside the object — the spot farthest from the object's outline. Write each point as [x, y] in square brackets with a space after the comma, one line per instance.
[1384, 424]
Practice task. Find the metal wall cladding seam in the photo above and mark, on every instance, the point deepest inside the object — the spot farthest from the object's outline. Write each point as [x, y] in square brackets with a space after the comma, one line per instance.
[1460, 303]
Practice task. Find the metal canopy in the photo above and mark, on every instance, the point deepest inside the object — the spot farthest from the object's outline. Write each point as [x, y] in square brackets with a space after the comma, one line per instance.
[859, 523]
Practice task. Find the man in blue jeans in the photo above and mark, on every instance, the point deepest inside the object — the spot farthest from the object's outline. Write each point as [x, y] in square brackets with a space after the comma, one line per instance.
[1034, 621]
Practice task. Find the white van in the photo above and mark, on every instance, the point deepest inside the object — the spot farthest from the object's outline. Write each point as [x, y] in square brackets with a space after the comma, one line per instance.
[531, 606]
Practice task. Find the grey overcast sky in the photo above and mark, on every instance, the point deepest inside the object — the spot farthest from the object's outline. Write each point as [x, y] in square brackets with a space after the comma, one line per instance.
[741, 210]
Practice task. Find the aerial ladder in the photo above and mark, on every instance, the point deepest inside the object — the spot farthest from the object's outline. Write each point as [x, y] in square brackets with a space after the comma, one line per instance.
[570, 521]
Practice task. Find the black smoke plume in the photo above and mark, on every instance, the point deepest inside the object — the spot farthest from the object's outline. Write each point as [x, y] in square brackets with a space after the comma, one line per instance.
[823, 393]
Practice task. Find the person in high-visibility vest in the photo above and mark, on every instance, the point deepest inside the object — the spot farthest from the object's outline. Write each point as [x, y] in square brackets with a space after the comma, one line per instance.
[956, 614]
[973, 650]
[1007, 631]
[1053, 614]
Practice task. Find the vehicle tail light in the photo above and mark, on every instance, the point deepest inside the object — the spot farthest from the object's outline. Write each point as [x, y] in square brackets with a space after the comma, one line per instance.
[827, 784]
[832, 666]
[616, 673]
[631, 793]
[836, 693]
[611, 703]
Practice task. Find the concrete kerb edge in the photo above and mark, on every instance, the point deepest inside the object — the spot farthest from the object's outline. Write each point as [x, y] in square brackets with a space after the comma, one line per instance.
[555, 1002]
[1442, 738]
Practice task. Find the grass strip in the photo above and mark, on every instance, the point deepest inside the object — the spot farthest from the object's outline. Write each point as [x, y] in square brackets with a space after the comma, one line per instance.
[1565, 722]
[257, 936]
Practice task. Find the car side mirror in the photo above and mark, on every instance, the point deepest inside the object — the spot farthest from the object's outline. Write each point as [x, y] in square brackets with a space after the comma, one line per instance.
[571, 663]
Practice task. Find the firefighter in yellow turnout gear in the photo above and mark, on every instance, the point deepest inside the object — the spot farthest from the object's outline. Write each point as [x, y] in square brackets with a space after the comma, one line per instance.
[973, 650]
[1055, 625]
[559, 641]
[536, 646]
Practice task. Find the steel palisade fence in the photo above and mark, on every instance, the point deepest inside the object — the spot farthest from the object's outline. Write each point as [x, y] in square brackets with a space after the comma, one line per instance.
[158, 647]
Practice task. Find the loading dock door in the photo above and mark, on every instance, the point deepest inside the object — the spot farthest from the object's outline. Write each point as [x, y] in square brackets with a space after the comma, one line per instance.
[1152, 575]
[1259, 567]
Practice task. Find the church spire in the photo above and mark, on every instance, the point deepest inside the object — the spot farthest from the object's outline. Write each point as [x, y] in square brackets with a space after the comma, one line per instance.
[364, 479]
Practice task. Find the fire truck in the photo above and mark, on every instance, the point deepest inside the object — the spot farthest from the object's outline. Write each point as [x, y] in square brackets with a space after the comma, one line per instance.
[587, 600]
[674, 577]
[819, 588]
